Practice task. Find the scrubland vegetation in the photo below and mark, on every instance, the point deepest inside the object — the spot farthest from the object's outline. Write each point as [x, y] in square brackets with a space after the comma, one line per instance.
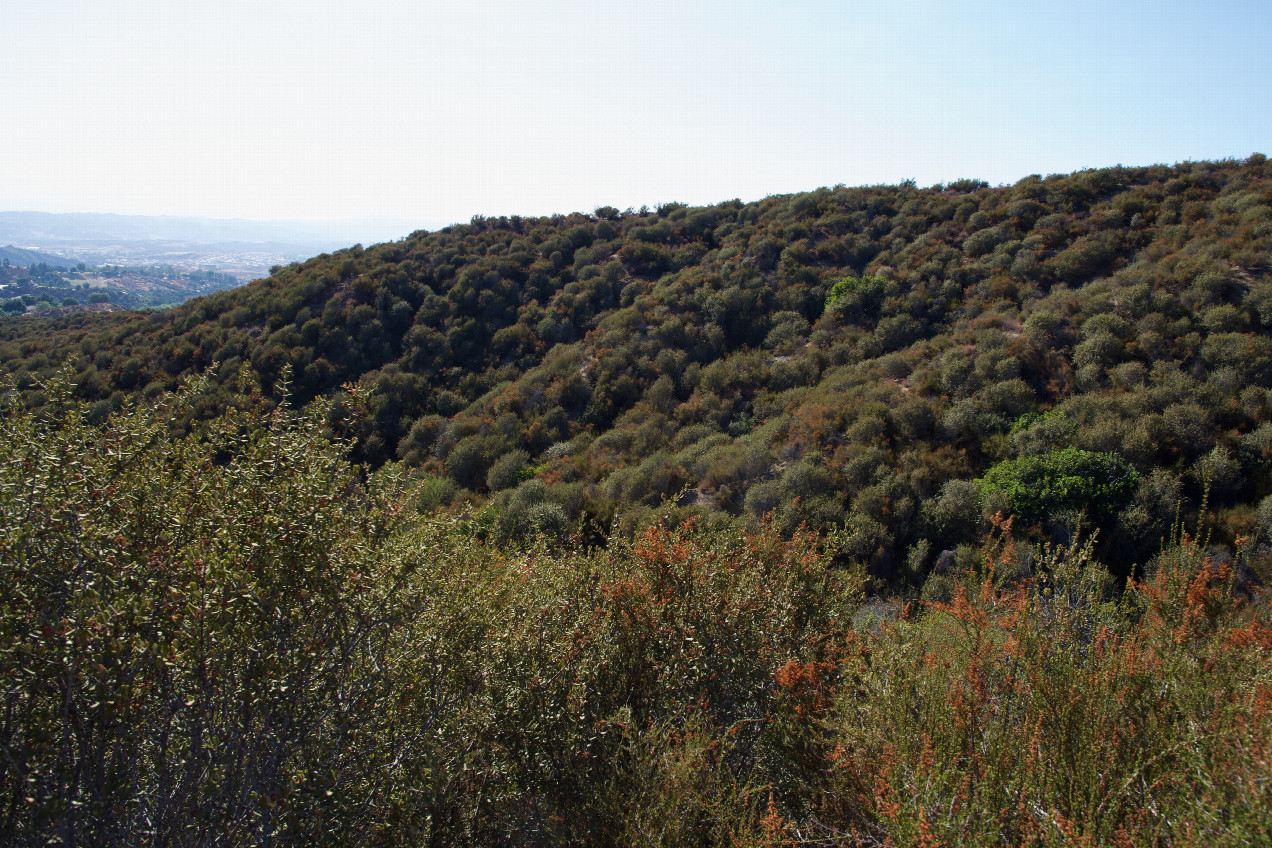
[848, 354]
[235, 636]
[856, 517]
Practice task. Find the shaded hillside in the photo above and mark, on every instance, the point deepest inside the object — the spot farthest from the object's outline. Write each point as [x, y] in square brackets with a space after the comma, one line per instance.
[10, 255]
[848, 354]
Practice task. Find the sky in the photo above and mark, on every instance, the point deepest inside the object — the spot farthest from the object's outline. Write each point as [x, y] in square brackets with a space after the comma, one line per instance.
[424, 113]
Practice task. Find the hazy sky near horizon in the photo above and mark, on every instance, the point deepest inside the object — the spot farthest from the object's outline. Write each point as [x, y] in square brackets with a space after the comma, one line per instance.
[433, 112]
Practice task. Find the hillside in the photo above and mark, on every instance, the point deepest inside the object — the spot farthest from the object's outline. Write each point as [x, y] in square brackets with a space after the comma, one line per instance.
[847, 356]
[861, 517]
[10, 255]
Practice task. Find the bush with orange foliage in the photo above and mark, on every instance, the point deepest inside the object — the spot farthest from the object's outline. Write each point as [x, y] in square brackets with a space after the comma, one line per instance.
[1054, 711]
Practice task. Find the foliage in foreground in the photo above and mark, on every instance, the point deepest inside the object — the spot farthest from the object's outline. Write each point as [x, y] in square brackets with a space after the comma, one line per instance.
[1048, 712]
[234, 637]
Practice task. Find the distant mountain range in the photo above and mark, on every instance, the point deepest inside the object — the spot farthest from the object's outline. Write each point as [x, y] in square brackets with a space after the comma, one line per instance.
[248, 247]
[45, 227]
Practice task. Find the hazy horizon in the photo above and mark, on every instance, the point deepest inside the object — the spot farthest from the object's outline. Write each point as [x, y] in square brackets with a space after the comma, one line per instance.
[431, 113]
[204, 229]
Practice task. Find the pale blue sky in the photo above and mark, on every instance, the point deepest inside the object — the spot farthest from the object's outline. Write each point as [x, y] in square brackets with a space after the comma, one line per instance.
[432, 112]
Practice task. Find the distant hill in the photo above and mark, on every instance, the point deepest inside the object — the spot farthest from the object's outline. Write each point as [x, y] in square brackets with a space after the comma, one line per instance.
[897, 362]
[19, 256]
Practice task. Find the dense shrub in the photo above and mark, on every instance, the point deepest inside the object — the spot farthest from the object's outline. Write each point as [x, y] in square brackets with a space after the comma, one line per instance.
[1050, 713]
[1045, 485]
[233, 636]
[201, 634]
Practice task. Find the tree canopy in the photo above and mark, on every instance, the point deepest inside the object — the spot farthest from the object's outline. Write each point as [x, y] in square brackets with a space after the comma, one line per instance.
[903, 340]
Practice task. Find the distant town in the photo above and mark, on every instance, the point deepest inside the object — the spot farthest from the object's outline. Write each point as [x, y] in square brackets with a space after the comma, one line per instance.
[41, 288]
[52, 263]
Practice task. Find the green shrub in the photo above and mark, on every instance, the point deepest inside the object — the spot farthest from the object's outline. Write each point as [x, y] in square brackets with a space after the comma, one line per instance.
[508, 470]
[1042, 486]
[202, 634]
[855, 297]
